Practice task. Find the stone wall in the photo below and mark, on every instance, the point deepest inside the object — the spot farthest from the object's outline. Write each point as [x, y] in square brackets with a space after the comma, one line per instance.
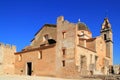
[90, 44]
[43, 61]
[47, 29]
[66, 35]
[7, 58]
[101, 53]
[89, 60]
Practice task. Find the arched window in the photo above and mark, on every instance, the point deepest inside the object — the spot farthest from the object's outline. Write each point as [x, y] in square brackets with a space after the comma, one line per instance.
[105, 37]
[46, 37]
[40, 55]
[19, 57]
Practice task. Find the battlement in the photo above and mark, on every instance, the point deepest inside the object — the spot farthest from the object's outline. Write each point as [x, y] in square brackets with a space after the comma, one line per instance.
[61, 19]
[7, 46]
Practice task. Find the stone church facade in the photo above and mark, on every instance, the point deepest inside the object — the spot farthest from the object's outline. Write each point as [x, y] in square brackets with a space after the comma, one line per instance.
[66, 49]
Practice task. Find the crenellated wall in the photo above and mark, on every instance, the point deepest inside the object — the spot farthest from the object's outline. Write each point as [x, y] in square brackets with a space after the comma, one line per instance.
[7, 58]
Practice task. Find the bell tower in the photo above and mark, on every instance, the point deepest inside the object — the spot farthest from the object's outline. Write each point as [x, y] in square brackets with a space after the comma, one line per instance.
[106, 33]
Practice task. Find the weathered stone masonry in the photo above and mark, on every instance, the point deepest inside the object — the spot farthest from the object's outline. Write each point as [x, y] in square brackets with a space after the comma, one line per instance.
[7, 59]
[66, 49]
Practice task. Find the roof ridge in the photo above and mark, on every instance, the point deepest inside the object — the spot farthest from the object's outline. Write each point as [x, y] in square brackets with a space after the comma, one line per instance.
[48, 25]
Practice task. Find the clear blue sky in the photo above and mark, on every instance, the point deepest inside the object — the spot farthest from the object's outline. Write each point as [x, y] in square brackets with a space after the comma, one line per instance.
[21, 19]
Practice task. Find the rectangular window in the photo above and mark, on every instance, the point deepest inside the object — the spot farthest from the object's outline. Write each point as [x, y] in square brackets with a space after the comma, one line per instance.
[63, 63]
[64, 34]
[63, 51]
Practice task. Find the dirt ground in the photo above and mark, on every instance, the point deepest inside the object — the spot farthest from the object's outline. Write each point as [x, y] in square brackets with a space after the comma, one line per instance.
[17, 77]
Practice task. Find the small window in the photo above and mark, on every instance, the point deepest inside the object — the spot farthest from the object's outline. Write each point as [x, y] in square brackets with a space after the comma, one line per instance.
[64, 34]
[19, 57]
[40, 55]
[105, 37]
[63, 63]
[46, 37]
[63, 51]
